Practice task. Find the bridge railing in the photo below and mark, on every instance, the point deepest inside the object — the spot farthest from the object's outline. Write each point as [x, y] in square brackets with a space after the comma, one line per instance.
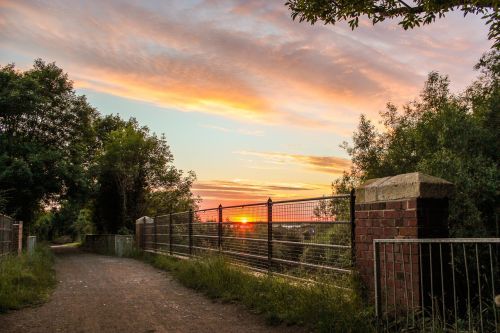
[10, 235]
[438, 284]
[304, 238]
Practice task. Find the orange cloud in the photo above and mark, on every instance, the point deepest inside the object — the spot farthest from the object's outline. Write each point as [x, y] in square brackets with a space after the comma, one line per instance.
[242, 131]
[190, 63]
[326, 164]
[235, 192]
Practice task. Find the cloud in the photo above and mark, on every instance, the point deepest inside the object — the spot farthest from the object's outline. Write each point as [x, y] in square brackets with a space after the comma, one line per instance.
[240, 191]
[242, 60]
[326, 164]
[242, 131]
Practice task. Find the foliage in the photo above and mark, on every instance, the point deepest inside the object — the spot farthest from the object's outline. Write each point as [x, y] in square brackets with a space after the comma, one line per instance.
[135, 167]
[410, 13]
[42, 227]
[451, 136]
[318, 306]
[45, 138]
[26, 279]
[60, 160]
[83, 224]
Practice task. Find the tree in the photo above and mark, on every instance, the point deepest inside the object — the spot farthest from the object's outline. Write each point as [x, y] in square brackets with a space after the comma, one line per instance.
[45, 139]
[410, 13]
[454, 137]
[135, 167]
[61, 162]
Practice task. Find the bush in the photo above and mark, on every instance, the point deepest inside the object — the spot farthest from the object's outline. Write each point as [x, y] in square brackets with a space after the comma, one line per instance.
[319, 306]
[26, 279]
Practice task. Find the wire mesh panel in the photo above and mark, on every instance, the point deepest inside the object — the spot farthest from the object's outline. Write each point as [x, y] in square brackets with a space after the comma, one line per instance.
[302, 238]
[312, 236]
[6, 230]
[148, 235]
[180, 233]
[162, 233]
[244, 234]
[205, 231]
[437, 284]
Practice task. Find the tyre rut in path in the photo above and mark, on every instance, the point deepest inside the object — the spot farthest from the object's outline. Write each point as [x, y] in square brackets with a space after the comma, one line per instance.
[98, 293]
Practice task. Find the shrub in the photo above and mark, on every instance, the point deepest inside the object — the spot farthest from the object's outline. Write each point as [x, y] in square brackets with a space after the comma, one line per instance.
[26, 279]
[319, 306]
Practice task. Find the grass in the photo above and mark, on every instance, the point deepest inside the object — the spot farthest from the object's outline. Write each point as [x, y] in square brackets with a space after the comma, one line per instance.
[26, 279]
[320, 307]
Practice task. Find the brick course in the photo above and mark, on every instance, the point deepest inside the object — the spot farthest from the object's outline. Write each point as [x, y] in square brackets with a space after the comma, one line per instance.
[410, 218]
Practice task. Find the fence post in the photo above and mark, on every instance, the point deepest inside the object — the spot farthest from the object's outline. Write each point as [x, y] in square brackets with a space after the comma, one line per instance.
[269, 235]
[155, 237]
[190, 230]
[219, 229]
[376, 271]
[352, 205]
[170, 231]
[144, 233]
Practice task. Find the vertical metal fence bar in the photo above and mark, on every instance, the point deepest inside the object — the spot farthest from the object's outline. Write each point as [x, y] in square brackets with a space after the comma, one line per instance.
[394, 281]
[421, 285]
[412, 286]
[376, 271]
[269, 235]
[143, 233]
[352, 203]
[170, 235]
[479, 290]
[2, 238]
[432, 288]
[190, 231]
[493, 288]
[455, 305]
[219, 228]
[469, 311]
[385, 286]
[406, 287]
[442, 283]
[155, 234]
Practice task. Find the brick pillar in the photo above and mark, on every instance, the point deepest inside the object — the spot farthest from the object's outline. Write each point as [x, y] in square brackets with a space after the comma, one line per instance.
[412, 205]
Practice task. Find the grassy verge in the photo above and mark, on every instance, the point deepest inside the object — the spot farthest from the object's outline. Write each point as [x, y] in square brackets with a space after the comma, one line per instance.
[321, 307]
[26, 279]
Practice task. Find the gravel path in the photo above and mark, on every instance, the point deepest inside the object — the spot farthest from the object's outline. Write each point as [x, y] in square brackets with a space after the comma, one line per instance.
[108, 294]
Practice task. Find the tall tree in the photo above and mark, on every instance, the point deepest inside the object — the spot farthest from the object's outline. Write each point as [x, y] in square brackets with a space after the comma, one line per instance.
[454, 137]
[411, 14]
[45, 138]
[135, 166]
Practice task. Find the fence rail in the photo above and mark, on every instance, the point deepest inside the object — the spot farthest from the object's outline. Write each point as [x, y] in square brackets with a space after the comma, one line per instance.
[9, 233]
[109, 244]
[301, 238]
[437, 284]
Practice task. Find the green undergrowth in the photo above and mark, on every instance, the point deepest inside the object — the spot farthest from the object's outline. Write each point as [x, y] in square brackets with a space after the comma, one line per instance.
[26, 279]
[320, 307]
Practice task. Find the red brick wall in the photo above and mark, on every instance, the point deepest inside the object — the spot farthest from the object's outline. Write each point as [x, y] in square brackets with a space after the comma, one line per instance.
[400, 267]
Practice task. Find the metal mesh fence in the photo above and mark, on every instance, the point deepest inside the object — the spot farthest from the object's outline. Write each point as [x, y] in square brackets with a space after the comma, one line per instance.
[6, 235]
[446, 285]
[303, 238]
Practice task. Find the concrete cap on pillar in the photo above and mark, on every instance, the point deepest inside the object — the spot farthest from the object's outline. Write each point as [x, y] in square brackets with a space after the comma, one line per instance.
[405, 186]
[143, 219]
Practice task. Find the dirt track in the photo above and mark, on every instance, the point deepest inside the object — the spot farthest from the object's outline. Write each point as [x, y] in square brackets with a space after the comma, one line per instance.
[107, 294]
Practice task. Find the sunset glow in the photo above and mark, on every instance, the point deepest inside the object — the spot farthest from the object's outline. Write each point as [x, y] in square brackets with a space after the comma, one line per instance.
[255, 103]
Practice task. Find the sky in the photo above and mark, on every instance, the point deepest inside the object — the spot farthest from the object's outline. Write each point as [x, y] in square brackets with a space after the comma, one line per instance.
[255, 103]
